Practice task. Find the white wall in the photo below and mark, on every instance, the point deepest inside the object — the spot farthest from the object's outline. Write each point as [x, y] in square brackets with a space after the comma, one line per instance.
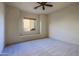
[13, 15]
[1, 27]
[64, 24]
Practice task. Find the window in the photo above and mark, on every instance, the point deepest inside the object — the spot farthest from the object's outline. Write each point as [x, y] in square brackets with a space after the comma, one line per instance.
[30, 26]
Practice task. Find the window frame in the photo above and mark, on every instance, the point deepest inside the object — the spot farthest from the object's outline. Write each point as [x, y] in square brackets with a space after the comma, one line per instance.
[37, 31]
[34, 23]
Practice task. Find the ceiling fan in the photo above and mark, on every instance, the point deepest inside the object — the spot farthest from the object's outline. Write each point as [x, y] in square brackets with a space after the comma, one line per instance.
[43, 4]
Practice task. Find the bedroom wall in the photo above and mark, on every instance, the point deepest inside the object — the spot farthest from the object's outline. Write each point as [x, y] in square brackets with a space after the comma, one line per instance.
[12, 25]
[2, 14]
[64, 24]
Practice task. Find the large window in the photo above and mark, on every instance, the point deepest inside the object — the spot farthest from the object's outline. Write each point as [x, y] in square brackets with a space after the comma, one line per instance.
[30, 26]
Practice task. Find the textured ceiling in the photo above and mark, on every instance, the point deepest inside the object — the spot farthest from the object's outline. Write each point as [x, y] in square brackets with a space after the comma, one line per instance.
[29, 6]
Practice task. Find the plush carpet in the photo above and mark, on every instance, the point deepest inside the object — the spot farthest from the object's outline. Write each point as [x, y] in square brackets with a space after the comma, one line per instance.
[43, 47]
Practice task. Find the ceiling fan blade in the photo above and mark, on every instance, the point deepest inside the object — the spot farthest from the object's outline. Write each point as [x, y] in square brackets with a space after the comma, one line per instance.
[43, 7]
[45, 2]
[49, 5]
[42, 2]
[39, 2]
[37, 7]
